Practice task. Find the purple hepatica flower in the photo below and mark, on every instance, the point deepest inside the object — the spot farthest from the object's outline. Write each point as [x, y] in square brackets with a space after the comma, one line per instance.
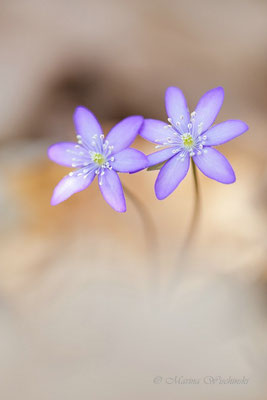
[95, 155]
[190, 136]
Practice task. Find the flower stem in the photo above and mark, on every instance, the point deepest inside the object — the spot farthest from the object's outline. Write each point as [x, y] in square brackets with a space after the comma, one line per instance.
[196, 212]
[178, 271]
[150, 235]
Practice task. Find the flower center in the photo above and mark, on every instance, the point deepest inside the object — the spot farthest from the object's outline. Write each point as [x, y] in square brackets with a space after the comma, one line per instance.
[98, 158]
[188, 140]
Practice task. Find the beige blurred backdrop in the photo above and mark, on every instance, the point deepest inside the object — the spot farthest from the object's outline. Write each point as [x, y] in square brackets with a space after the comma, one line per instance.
[83, 313]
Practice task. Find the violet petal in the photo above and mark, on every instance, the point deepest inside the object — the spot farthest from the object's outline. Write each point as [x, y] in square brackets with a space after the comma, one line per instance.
[86, 124]
[208, 107]
[215, 166]
[160, 156]
[67, 154]
[176, 105]
[170, 175]
[123, 134]
[155, 131]
[70, 185]
[129, 160]
[112, 191]
[224, 132]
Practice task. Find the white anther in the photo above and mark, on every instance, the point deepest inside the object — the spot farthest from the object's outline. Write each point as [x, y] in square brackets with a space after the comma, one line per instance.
[170, 120]
[201, 146]
[193, 114]
[199, 152]
[181, 117]
[112, 159]
[189, 125]
[71, 174]
[102, 136]
[205, 151]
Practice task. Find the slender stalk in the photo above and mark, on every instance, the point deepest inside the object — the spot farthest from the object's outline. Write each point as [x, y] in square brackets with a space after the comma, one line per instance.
[150, 235]
[181, 268]
[196, 212]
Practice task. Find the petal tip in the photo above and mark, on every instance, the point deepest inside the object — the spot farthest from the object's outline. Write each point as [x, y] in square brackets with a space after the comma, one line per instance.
[160, 196]
[50, 152]
[139, 119]
[172, 88]
[232, 179]
[80, 108]
[219, 89]
[54, 202]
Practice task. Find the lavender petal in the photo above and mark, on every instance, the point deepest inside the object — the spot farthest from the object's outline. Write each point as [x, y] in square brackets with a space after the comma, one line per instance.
[224, 132]
[129, 160]
[208, 107]
[170, 175]
[160, 156]
[176, 106]
[67, 154]
[111, 189]
[123, 134]
[215, 166]
[155, 131]
[70, 185]
[87, 126]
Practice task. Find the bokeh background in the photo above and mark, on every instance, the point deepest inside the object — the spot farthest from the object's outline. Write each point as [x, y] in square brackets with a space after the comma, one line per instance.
[83, 313]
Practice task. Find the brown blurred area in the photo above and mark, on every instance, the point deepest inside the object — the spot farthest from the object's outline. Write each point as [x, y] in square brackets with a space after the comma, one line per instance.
[77, 319]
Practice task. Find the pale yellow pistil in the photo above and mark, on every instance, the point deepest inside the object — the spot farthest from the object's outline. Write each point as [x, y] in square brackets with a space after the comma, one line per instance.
[98, 158]
[188, 140]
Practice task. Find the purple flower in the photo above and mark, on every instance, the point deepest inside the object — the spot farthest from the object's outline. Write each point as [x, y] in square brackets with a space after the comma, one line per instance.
[95, 155]
[190, 136]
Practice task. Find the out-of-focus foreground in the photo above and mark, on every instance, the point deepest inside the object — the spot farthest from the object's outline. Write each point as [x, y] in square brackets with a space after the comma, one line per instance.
[76, 316]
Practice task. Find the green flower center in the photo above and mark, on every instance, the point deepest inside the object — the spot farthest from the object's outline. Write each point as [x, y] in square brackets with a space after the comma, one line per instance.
[188, 140]
[98, 158]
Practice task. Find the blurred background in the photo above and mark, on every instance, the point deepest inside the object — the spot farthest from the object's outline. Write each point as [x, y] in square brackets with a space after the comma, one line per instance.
[77, 315]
